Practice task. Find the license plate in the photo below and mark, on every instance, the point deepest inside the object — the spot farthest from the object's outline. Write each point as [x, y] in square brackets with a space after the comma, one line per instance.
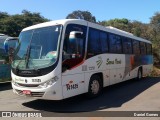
[27, 92]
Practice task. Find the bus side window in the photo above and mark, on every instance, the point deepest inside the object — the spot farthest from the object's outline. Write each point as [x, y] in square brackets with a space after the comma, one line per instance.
[115, 43]
[97, 42]
[74, 46]
[94, 45]
[143, 48]
[136, 47]
[149, 48]
[104, 42]
[127, 46]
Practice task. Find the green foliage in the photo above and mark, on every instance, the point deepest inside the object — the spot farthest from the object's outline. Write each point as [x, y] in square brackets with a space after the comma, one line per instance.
[135, 27]
[155, 35]
[140, 29]
[3, 15]
[122, 24]
[85, 15]
[13, 24]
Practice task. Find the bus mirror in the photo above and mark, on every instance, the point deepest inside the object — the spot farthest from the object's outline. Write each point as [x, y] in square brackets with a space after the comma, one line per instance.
[76, 35]
[6, 46]
[10, 44]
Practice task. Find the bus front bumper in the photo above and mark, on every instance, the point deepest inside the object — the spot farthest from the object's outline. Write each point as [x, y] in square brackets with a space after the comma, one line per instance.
[50, 93]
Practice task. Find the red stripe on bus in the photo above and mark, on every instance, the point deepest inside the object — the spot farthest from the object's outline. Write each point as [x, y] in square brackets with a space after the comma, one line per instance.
[77, 65]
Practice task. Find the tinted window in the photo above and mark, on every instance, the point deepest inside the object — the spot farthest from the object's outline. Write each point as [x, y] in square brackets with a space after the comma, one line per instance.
[115, 44]
[94, 45]
[143, 48]
[104, 42]
[127, 46]
[136, 49]
[149, 48]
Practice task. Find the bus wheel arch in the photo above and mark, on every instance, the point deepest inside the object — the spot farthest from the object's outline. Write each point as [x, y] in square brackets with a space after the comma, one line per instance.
[95, 85]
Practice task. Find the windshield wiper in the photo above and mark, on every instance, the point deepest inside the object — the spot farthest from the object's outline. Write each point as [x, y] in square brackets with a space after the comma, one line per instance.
[30, 60]
[20, 62]
[28, 55]
[28, 51]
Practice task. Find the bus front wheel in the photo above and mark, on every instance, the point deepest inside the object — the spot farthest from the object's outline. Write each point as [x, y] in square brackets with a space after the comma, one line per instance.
[95, 86]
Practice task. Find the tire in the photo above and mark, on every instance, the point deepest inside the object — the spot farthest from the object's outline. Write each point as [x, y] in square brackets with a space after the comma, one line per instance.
[139, 74]
[95, 86]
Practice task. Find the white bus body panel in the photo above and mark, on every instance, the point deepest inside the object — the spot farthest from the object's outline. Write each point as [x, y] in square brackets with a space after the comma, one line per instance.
[115, 68]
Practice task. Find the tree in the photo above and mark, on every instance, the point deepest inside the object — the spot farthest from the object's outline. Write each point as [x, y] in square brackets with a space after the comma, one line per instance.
[135, 27]
[122, 24]
[140, 29]
[155, 26]
[3, 15]
[155, 35]
[85, 15]
[13, 24]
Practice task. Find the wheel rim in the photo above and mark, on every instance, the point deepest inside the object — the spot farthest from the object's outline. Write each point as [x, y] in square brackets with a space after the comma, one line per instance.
[95, 87]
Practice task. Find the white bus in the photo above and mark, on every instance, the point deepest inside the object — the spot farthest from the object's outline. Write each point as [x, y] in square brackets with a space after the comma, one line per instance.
[64, 58]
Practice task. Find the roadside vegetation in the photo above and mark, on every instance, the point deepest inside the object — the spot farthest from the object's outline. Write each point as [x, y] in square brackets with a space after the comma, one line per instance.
[155, 72]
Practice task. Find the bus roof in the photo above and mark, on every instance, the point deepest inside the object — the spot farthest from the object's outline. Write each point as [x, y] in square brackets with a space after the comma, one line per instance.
[56, 22]
[94, 25]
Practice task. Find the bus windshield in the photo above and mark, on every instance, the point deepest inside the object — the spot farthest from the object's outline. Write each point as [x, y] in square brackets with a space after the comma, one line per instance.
[37, 48]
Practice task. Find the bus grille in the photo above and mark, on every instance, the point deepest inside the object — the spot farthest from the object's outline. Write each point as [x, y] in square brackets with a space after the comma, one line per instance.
[37, 94]
[27, 85]
[33, 94]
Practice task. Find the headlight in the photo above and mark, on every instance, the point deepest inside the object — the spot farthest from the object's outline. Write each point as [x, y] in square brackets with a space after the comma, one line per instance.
[48, 83]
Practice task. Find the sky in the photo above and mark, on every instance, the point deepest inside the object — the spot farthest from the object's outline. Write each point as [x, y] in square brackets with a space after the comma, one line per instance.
[140, 10]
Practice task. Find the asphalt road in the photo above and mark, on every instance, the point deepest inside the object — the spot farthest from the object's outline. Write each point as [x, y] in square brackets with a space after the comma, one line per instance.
[133, 95]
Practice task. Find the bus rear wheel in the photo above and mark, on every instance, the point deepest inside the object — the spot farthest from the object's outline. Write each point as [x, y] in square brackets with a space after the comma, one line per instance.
[95, 86]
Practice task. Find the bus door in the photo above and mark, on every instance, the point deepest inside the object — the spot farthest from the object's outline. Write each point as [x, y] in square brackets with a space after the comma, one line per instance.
[72, 60]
